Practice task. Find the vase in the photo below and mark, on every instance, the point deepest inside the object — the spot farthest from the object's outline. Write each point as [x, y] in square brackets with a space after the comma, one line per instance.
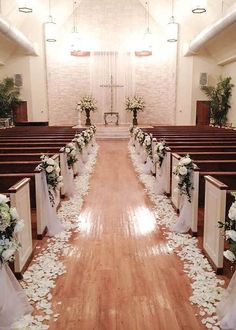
[135, 121]
[88, 121]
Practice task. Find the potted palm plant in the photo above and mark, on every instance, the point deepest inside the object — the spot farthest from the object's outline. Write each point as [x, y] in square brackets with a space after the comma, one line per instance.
[87, 104]
[9, 98]
[219, 100]
[134, 104]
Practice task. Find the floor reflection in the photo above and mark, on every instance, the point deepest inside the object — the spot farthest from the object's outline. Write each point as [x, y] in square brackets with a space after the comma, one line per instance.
[143, 220]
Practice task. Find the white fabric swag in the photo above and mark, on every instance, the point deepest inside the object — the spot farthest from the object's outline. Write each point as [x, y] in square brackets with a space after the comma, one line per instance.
[13, 301]
[159, 185]
[183, 224]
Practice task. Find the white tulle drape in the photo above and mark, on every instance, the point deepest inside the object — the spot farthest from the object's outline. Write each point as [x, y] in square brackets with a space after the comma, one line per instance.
[68, 177]
[226, 309]
[53, 223]
[159, 185]
[183, 223]
[13, 301]
[121, 66]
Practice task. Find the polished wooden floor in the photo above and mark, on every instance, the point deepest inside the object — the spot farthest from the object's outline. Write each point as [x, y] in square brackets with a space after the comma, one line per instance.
[121, 273]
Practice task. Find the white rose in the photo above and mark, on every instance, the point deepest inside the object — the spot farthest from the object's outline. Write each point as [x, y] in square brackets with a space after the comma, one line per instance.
[229, 255]
[50, 161]
[232, 211]
[8, 253]
[14, 213]
[3, 199]
[50, 169]
[183, 170]
[186, 160]
[67, 150]
[73, 152]
[231, 234]
[19, 226]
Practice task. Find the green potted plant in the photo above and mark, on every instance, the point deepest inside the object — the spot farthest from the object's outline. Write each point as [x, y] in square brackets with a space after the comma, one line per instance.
[134, 104]
[9, 98]
[219, 100]
[87, 104]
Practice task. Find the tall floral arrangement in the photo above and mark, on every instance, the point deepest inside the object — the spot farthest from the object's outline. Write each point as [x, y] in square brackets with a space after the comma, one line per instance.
[183, 172]
[230, 232]
[135, 103]
[160, 151]
[10, 224]
[52, 171]
[70, 150]
[87, 103]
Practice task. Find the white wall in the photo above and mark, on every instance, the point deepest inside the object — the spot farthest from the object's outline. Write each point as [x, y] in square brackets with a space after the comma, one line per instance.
[230, 71]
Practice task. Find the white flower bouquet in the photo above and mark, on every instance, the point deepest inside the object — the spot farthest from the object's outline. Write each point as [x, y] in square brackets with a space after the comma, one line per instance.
[140, 137]
[160, 151]
[52, 171]
[183, 174]
[70, 150]
[230, 232]
[148, 145]
[10, 224]
[135, 103]
[79, 140]
[87, 103]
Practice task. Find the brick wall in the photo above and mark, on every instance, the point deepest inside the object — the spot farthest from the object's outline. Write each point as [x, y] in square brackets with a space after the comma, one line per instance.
[111, 25]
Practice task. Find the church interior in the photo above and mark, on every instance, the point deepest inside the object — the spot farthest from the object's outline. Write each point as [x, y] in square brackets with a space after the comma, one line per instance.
[117, 164]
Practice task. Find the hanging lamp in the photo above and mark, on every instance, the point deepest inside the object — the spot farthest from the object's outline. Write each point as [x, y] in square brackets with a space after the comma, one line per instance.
[172, 27]
[50, 27]
[25, 6]
[146, 42]
[199, 6]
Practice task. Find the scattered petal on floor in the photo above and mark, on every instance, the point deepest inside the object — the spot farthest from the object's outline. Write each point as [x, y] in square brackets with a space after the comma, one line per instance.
[207, 289]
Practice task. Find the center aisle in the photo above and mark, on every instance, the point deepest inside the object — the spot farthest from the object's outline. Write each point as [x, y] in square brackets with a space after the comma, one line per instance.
[121, 274]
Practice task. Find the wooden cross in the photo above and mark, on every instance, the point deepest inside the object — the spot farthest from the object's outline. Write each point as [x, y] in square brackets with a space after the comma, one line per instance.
[111, 86]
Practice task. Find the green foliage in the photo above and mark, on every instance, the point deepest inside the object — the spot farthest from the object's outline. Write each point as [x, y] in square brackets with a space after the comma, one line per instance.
[219, 100]
[9, 97]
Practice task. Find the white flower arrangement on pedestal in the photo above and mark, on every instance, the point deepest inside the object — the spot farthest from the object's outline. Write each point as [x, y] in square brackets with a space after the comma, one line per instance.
[230, 232]
[148, 145]
[52, 171]
[70, 150]
[10, 224]
[135, 103]
[160, 151]
[87, 103]
[183, 174]
[79, 140]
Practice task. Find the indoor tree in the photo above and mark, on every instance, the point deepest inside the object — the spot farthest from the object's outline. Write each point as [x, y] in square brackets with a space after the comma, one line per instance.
[219, 100]
[9, 97]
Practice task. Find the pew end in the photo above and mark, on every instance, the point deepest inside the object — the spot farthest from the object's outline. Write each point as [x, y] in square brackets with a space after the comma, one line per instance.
[20, 199]
[215, 208]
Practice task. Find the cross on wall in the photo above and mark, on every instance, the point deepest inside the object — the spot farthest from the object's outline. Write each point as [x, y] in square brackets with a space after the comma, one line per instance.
[111, 86]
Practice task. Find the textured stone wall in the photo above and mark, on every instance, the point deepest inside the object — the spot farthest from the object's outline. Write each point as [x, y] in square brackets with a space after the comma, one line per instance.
[110, 25]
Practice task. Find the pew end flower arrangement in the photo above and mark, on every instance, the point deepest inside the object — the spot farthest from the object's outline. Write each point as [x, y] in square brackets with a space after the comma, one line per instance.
[53, 177]
[70, 150]
[87, 104]
[79, 141]
[10, 225]
[183, 172]
[134, 104]
[148, 145]
[229, 227]
[160, 151]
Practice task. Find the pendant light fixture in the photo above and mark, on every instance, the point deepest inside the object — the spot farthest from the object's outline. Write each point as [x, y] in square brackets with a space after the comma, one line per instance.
[25, 6]
[172, 27]
[199, 6]
[76, 42]
[50, 27]
[146, 42]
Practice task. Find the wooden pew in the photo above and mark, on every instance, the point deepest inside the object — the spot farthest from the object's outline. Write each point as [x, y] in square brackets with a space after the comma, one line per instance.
[217, 203]
[20, 199]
